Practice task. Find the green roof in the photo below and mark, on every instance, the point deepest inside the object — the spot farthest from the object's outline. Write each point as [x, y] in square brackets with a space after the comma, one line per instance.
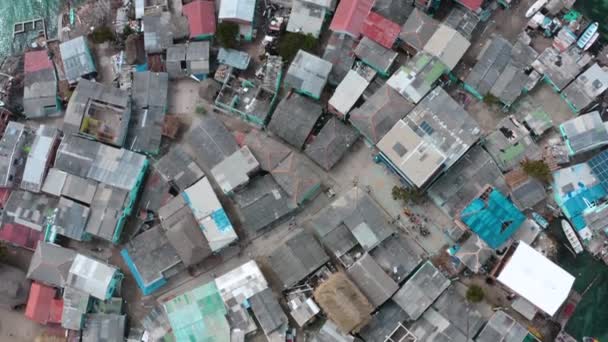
[199, 315]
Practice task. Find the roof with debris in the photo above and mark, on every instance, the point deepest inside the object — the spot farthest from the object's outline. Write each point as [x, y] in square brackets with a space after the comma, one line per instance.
[371, 279]
[37, 162]
[241, 10]
[421, 290]
[433, 326]
[306, 18]
[298, 178]
[104, 327]
[150, 257]
[375, 55]
[503, 327]
[234, 171]
[93, 277]
[201, 18]
[448, 45]
[294, 119]
[20, 236]
[28, 209]
[493, 217]
[418, 77]
[380, 29]
[561, 68]
[176, 167]
[343, 303]
[331, 144]
[397, 256]
[211, 142]
[295, 259]
[262, 203]
[510, 144]
[339, 51]
[308, 74]
[267, 311]
[199, 315]
[418, 29]
[149, 105]
[99, 111]
[348, 92]
[490, 64]
[379, 113]
[350, 16]
[430, 139]
[587, 87]
[474, 253]
[240, 284]
[51, 264]
[77, 59]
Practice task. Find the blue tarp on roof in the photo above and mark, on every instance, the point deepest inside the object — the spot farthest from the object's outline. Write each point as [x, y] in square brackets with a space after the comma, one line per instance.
[494, 219]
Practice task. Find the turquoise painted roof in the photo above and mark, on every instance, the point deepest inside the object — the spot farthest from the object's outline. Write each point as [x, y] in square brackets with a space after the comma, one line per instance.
[494, 219]
[199, 315]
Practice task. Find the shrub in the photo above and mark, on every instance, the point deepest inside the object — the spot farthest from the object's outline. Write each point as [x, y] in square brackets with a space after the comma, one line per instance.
[227, 34]
[537, 169]
[291, 43]
[475, 294]
[406, 195]
[102, 34]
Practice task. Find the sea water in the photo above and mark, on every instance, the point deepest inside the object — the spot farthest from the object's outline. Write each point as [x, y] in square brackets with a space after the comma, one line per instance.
[12, 11]
[596, 10]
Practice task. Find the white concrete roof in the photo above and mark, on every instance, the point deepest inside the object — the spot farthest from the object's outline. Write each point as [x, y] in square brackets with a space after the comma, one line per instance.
[537, 279]
[348, 92]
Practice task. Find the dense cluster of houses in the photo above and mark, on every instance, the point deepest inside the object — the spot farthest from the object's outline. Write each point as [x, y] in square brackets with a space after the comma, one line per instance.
[387, 75]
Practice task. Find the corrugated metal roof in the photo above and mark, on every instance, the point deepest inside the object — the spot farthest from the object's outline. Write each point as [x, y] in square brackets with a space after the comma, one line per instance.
[237, 9]
[380, 29]
[375, 55]
[306, 18]
[418, 29]
[377, 286]
[294, 119]
[332, 143]
[267, 311]
[51, 264]
[77, 59]
[308, 74]
[234, 58]
[201, 17]
[91, 276]
[348, 92]
[350, 15]
[36, 60]
[448, 45]
[211, 142]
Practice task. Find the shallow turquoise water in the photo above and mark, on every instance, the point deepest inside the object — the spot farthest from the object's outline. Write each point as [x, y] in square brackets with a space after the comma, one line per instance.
[12, 11]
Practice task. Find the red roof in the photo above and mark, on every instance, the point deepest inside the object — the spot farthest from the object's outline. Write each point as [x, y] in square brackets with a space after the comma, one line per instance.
[37, 60]
[473, 5]
[201, 17]
[21, 236]
[350, 15]
[380, 30]
[42, 307]
[4, 193]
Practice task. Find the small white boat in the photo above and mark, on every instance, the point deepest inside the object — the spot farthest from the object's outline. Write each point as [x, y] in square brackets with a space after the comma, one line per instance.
[587, 34]
[572, 238]
[593, 39]
[536, 7]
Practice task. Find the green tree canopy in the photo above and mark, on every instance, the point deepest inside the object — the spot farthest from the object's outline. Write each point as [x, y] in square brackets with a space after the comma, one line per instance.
[406, 195]
[475, 294]
[291, 42]
[537, 169]
[227, 34]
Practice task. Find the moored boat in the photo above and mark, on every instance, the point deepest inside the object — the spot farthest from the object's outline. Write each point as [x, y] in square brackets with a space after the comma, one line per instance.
[587, 34]
[572, 238]
[536, 7]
